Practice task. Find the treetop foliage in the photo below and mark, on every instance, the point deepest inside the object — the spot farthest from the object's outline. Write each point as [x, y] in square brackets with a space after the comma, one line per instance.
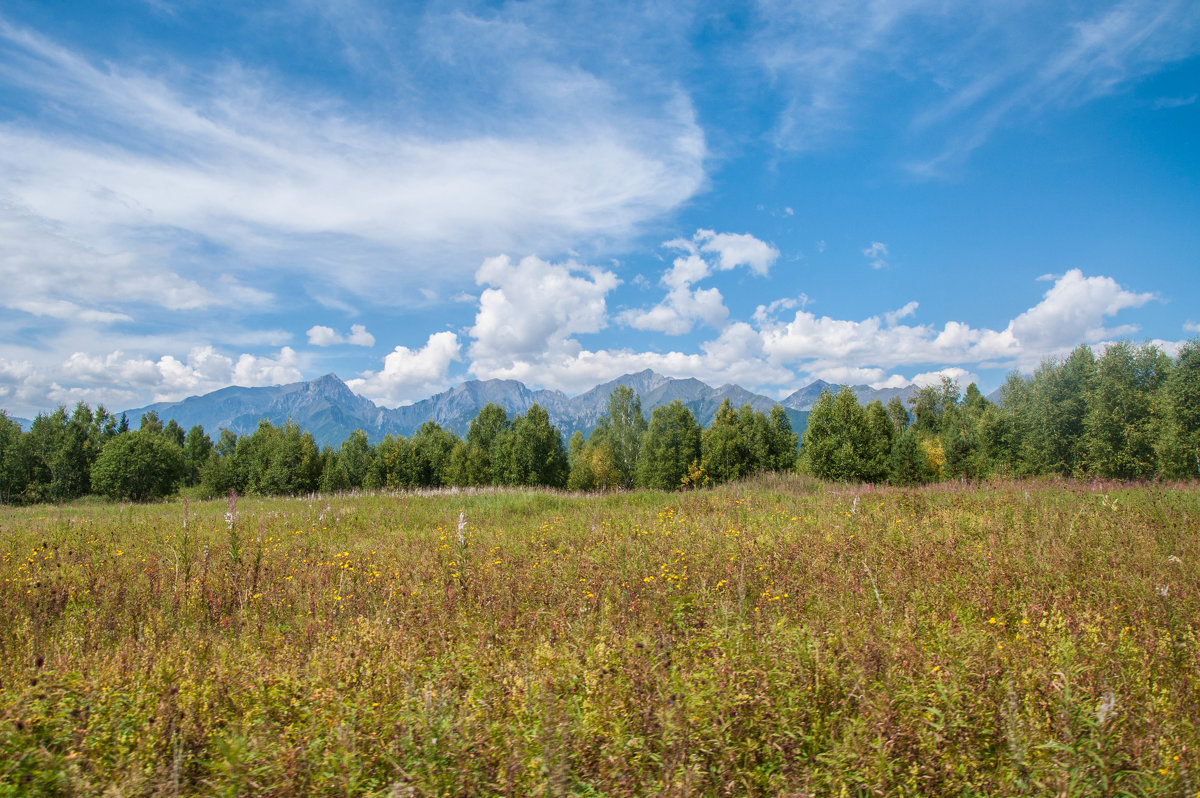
[1131, 413]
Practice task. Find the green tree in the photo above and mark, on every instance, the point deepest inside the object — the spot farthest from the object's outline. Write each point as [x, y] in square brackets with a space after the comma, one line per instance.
[197, 447]
[622, 428]
[881, 433]
[385, 471]
[930, 405]
[13, 461]
[1059, 404]
[962, 438]
[151, 422]
[175, 433]
[591, 464]
[423, 460]
[898, 413]
[138, 466]
[1179, 438]
[347, 468]
[1120, 428]
[783, 442]
[1006, 428]
[725, 454]
[278, 460]
[908, 464]
[59, 453]
[532, 452]
[487, 428]
[837, 442]
[671, 444]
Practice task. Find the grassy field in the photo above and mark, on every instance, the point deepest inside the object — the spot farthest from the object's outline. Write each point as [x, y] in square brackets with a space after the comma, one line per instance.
[778, 637]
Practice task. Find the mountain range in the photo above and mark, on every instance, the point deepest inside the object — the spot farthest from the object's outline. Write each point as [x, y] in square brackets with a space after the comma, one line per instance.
[327, 408]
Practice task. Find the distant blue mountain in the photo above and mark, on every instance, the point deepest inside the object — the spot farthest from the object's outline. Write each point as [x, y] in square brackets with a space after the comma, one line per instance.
[23, 423]
[329, 410]
[806, 397]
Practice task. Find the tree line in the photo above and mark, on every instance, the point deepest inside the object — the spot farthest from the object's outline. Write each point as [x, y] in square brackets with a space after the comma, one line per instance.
[66, 456]
[1133, 413]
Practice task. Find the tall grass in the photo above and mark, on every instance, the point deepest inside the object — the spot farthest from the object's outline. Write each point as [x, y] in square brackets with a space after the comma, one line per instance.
[773, 637]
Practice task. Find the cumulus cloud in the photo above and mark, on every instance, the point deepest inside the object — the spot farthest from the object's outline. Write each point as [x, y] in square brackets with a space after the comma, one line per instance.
[529, 311]
[683, 306]
[511, 342]
[319, 335]
[18, 383]
[410, 374]
[118, 380]
[960, 375]
[168, 378]
[768, 350]
[1074, 310]
[849, 375]
[876, 253]
[323, 336]
[738, 249]
[1191, 326]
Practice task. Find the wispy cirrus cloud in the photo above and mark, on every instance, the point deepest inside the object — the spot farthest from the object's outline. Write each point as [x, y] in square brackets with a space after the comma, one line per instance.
[130, 192]
[995, 65]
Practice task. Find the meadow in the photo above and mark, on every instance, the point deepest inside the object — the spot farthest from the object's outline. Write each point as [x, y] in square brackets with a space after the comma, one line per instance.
[778, 636]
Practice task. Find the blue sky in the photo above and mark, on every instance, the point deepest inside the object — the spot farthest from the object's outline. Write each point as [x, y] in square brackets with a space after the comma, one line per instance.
[195, 195]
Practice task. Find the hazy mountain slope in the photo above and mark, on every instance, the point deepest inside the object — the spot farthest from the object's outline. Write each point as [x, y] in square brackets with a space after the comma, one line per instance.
[454, 409]
[325, 407]
[806, 397]
[328, 409]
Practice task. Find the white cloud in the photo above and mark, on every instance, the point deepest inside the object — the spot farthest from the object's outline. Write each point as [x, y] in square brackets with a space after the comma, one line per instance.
[410, 374]
[891, 381]
[1072, 311]
[1191, 326]
[876, 253]
[679, 311]
[738, 249]
[47, 270]
[997, 65]
[1174, 102]
[142, 166]
[18, 383]
[119, 381]
[251, 370]
[319, 335]
[323, 336]
[956, 374]
[894, 316]
[359, 336]
[683, 306]
[849, 375]
[529, 311]
[62, 309]
[765, 314]
[771, 351]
